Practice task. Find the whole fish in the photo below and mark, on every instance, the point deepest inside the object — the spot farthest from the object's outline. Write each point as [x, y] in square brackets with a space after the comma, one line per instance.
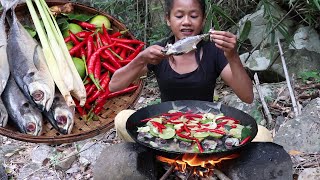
[24, 115]
[28, 66]
[60, 115]
[3, 115]
[4, 64]
[184, 45]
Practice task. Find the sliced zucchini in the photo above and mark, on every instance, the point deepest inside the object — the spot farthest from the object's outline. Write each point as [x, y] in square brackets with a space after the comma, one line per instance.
[215, 135]
[167, 133]
[201, 134]
[183, 139]
[235, 133]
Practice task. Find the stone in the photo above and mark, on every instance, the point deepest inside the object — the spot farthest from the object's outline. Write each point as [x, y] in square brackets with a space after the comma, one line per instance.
[258, 60]
[41, 153]
[310, 174]
[261, 161]
[259, 25]
[124, 161]
[302, 133]
[65, 162]
[90, 152]
[35, 172]
[5, 149]
[3, 174]
[306, 38]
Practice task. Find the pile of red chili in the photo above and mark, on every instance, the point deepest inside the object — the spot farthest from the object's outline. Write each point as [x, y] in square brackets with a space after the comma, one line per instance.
[103, 53]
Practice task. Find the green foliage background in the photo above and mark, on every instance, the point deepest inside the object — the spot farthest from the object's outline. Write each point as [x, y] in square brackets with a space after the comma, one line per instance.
[145, 19]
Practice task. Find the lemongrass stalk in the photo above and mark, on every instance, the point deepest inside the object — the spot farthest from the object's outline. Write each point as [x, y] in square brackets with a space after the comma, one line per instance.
[48, 54]
[79, 91]
[57, 52]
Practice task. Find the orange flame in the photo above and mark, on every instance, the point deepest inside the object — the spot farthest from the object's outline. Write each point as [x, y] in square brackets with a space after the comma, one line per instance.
[194, 160]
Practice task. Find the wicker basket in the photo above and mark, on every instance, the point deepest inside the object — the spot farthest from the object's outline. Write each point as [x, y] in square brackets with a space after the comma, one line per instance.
[81, 130]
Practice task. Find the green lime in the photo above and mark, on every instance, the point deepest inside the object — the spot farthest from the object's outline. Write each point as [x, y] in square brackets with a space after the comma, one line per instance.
[99, 20]
[69, 45]
[74, 28]
[80, 66]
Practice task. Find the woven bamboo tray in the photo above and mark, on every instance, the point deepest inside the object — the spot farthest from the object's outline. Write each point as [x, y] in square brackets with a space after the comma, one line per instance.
[82, 130]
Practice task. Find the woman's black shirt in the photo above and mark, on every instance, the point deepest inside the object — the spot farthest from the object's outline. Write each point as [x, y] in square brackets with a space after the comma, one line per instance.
[196, 85]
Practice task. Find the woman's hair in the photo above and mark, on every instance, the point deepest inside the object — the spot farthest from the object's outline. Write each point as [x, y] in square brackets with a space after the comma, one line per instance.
[169, 6]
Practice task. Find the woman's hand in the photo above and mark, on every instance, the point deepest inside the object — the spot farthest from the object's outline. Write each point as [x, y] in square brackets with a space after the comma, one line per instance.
[152, 55]
[225, 41]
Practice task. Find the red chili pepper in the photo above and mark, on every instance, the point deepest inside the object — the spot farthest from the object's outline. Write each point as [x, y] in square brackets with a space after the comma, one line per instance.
[104, 83]
[112, 59]
[199, 146]
[125, 46]
[74, 39]
[119, 33]
[229, 118]
[84, 34]
[186, 128]
[90, 89]
[245, 140]
[158, 125]
[193, 115]
[146, 120]
[106, 35]
[179, 130]
[75, 49]
[82, 112]
[106, 95]
[186, 137]
[123, 54]
[126, 90]
[127, 41]
[92, 61]
[174, 117]
[118, 50]
[67, 39]
[173, 114]
[124, 62]
[135, 53]
[97, 70]
[90, 46]
[217, 131]
[85, 25]
[108, 67]
[101, 101]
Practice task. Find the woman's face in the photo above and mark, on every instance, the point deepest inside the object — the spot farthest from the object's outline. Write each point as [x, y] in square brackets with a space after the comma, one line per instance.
[185, 18]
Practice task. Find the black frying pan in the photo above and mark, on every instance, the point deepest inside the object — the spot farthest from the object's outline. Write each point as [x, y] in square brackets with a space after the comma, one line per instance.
[134, 121]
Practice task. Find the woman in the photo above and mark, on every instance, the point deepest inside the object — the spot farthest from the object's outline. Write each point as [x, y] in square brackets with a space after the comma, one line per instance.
[191, 76]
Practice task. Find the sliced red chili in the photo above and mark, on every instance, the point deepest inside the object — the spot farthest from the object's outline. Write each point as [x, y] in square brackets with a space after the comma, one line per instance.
[245, 140]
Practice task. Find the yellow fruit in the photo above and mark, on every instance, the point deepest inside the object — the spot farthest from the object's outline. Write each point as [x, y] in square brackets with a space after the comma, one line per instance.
[99, 20]
[74, 28]
[80, 66]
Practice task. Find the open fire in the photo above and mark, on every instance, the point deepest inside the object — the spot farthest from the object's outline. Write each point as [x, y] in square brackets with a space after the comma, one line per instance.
[194, 165]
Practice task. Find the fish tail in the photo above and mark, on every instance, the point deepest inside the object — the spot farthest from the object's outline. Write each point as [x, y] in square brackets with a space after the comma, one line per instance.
[8, 4]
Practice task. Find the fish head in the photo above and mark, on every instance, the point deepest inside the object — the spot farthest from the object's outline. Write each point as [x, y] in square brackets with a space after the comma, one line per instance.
[64, 119]
[33, 124]
[41, 94]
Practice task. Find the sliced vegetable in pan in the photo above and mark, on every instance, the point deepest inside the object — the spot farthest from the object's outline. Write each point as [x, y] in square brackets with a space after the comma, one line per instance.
[189, 132]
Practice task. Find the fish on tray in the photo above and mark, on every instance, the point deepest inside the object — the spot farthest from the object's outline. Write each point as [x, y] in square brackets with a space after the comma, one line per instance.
[28, 66]
[184, 45]
[24, 115]
[60, 115]
[4, 64]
